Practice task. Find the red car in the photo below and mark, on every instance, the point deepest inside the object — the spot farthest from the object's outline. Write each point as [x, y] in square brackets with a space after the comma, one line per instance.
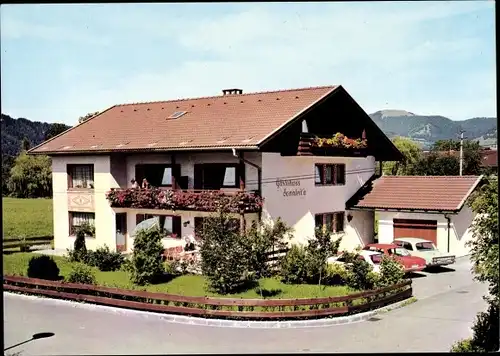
[409, 262]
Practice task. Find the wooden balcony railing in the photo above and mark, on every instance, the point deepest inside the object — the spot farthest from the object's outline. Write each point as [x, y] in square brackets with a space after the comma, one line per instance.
[336, 145]
[198, 200]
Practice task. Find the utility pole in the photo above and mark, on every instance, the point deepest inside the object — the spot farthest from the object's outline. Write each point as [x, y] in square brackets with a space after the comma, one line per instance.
[461, 150]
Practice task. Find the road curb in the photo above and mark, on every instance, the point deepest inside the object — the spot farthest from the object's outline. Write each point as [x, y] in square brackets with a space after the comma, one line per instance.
[189, 320]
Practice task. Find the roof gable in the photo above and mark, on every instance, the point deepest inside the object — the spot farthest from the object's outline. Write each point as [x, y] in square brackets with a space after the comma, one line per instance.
[239, 121]
[421, 193]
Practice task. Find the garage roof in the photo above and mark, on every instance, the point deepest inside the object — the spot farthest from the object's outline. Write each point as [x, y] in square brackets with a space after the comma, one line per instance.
[421, 193]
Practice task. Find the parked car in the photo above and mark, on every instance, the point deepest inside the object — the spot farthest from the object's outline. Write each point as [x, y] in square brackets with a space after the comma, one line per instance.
[373, 258]
[403, 256]
[425, 249]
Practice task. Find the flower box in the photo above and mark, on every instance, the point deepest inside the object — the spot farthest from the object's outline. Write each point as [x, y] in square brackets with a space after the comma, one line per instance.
[208, 200]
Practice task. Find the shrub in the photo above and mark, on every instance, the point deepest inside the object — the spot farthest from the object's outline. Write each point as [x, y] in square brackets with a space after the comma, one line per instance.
[79, 252]
[147, 265]
[293, 265]
[43, 267]
[226, 258]
[391, 272]
[104, 259]
[359, 277]
[309, 264]
[336, 274]
[81, 274]
[264, 240]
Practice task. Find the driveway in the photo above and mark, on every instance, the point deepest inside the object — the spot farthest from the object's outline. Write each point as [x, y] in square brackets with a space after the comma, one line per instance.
[444, 314]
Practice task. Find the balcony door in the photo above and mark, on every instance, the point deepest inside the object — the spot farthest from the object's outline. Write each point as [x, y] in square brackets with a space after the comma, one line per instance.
[214, 176]
[121, 232]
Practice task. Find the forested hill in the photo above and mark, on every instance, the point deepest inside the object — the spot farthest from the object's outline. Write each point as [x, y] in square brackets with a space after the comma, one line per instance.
[14, 130]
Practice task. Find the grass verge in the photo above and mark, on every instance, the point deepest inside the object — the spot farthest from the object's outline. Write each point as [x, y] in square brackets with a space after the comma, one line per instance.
[27, 217]
[190, 285]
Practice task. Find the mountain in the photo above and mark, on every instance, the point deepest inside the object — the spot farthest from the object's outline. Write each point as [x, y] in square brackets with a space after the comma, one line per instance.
[14, 130]
[428, 129]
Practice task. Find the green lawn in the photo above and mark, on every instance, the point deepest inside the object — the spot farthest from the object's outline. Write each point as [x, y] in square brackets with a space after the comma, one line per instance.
[27, 217]
[192, 285]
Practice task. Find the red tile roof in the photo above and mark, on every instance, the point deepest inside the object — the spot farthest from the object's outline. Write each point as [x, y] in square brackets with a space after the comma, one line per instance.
[489, 158]
[432, 193]
[240, 120]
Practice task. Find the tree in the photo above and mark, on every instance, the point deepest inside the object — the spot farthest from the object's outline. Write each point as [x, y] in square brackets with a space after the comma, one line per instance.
[485, 258]
[226, 256]
[265, 239]
[411, 155]
[435, 164]
[54, 130]
[31, 176]
[84, 118]
[471, 158]
[25, 144]
[319, 249]
[147, 265]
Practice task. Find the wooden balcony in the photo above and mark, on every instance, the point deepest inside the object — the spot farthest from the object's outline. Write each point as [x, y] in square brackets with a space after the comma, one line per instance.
[336, 145]
[197, 200]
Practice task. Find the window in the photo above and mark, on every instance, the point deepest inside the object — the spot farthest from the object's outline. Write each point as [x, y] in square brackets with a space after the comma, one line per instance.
[332, 221]
[157, 175]
[425, 246]
[398, 251]
[329, 174]
[229, 177]
[170, 226]
[80, 176]
[199, 225]
[376, 259]
[214, 176]
[77, 219]
[407, 246]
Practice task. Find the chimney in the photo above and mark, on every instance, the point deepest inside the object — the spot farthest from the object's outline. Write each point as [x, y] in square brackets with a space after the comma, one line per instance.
[232, 91]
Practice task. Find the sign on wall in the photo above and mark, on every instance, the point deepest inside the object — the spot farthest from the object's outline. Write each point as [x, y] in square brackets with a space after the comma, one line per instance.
[290, 187]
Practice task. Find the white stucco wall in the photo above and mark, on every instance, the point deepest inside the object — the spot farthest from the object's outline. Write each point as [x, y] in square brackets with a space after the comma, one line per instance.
[298, 211]
[104, 215]
[459, 232]
[117, 172]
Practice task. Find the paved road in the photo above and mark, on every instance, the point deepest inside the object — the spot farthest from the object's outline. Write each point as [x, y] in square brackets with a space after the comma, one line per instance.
[448, 303]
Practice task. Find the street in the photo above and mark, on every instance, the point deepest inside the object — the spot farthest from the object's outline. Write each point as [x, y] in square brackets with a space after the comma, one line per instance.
[447, 305]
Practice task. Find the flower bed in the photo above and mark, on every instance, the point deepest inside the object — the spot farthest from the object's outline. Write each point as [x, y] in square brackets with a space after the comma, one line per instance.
[210, 200]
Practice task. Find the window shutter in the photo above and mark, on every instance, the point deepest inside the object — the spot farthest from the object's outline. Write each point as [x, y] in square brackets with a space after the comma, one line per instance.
[69, 173]
[70, 223]
[176, 226]
[334, 222]
[198, 176]
[334, 174]
[139, 218]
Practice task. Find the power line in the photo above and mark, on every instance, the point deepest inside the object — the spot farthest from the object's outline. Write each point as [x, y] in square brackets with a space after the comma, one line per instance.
[268, 180]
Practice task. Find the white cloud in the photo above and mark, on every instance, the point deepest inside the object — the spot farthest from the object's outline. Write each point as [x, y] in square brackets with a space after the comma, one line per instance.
[12, 28]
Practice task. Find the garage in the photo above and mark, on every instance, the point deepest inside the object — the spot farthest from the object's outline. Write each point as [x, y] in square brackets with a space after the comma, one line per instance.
[424, 229]
[429, 207]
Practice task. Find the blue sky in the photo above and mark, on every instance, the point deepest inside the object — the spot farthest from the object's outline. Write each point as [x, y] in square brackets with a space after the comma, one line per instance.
[60, 62]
